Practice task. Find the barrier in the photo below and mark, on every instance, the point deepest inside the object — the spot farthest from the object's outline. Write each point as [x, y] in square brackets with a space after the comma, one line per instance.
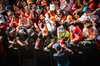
[83, 55]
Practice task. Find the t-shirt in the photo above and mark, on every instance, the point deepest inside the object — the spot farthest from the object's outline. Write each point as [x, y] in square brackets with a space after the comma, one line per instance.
[49, 36]
[66, 34]
[35, 17]
[11, 38]
[62, 57]
[78, 36]
[94, 33]
[13, 26]
[22, 37]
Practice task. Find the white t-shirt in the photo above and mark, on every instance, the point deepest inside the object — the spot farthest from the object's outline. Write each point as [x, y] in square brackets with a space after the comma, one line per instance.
[67, 9]
[95, 33]
[49, 24]
[84, 17]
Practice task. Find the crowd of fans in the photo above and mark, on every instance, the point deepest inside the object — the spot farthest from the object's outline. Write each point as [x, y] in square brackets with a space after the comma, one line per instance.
[70, 21]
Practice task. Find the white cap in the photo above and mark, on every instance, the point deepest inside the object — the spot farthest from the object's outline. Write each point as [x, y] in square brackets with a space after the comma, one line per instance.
[52, 7]
[71, 27]
[83, 18]
[61, 28]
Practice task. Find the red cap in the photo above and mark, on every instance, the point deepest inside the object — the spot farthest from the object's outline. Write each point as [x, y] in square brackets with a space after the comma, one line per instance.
[73, 6]
[92, 5]
[3, 27]
[99, 5]
[61, 42]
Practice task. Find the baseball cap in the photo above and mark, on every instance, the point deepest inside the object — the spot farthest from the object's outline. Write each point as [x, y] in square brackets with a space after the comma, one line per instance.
[43, 3]
[86, 8]
[56, 46]
[52, 7]
[69, 17]
[83, 18]
[52, 18]
[61, 28]
[28, 1]
[92, 5]
[7, 8]
[99, 5]
[71, 27]
[73, 7]
[3, 26]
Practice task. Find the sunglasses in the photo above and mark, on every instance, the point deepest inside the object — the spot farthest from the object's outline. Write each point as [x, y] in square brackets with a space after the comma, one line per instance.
[10, 15]
[42, 19]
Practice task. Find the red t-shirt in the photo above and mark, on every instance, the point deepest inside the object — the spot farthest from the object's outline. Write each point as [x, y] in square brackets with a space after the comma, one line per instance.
[78, 37]
[13, 26]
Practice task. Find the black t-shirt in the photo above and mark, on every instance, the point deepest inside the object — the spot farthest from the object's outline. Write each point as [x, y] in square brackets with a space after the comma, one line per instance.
[49, 36]
[10, 38]
[22, 37]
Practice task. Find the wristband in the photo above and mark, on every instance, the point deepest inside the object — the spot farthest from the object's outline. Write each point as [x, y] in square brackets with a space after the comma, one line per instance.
[47, 47]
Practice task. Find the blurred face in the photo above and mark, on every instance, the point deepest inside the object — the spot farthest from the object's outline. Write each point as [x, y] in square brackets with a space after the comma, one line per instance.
[33, 8]
[16, 8]
[10, 15]
[42, 18]
[39, 11]
[77, 16]
[90, 29]
[47, 8]
[60, 15]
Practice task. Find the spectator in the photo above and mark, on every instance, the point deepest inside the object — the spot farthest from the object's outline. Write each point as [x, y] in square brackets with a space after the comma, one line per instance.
[13, 21]
[89, 32]
[64, 33]
[41, 22]
[43, 3]
[76, 34]
[11, 36]
[60, 20]
[84, 17]
[24, 22]
[4, 18]
[22, 37]
[34, 17]
[43, 35]
[66, 5]
[62, 55]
